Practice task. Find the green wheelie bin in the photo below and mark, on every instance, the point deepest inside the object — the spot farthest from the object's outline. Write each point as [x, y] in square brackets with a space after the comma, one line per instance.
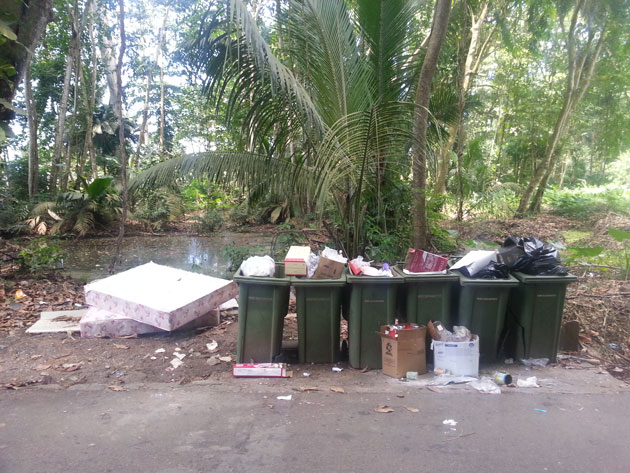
[262, 305]
[535, 315]
[482, 309]
[372, 303]
[318, 305]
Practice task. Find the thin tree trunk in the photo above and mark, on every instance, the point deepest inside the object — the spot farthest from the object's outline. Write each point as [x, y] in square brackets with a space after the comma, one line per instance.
[420, 122]
[581, 66]
[33, 154]
[121, 136]
[62, 111]
[145, 118]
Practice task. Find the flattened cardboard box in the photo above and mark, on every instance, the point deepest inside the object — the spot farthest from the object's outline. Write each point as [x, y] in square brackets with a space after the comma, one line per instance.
[457, 358]
[405, 353]
[328, 269]
[295, 261]
[420, 261]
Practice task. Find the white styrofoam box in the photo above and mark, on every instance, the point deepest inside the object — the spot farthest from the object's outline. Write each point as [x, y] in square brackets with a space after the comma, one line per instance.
[457, 358]
[161, 296]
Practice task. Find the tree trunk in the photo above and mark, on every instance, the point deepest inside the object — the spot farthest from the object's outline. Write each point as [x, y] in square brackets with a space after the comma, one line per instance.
[62, 111]
[420, 122]
[470, 68]
[121, 136]
[581, 66]
[33, 153]
[145, 118]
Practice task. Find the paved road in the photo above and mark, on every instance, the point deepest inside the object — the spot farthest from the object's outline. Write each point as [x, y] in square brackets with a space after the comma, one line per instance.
[241, 426]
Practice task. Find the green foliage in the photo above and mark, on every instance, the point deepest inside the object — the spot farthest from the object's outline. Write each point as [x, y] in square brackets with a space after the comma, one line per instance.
[42, 255]
[586, 201]
[623, 237]
[210, 221]
[604, 261]
[156, 207]
[237, 254]
[204, 194]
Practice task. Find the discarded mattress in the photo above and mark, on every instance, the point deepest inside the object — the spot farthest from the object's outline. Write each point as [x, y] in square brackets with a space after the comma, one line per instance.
[160, 296]
[99, 323]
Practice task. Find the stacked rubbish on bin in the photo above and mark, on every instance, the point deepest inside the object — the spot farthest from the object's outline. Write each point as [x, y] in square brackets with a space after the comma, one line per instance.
[523, 278]
[264, 287]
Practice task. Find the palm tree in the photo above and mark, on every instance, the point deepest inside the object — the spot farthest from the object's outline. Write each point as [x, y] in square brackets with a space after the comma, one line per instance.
[328, 113]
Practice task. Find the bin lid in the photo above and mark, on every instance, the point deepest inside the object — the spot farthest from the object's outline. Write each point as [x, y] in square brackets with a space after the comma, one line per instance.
[511, 281]
[420, 277]
[534, 279]
[396, 279]
[303, 281]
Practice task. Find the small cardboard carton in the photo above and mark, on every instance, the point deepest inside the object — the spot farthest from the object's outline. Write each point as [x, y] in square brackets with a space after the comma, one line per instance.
[328, 269]
[295, 262]
[261, 370]
[405, 353]
[456, 358]
[420, 261]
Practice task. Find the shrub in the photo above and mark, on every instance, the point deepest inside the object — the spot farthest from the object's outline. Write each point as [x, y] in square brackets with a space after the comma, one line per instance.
[40, 255]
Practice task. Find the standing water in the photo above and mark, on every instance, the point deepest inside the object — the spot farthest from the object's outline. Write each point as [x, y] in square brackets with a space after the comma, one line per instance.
[88, 259]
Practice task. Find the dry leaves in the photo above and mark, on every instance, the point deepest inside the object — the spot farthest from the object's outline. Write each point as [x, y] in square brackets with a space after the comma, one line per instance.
[308, 388]
[412, 409]
[70, 366]
[122, 347]
[383, 409]
[337, 390]
[116, 388]
[42, 367]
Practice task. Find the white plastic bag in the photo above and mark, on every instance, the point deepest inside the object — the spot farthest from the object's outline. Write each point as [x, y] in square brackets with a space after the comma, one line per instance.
[259, 266]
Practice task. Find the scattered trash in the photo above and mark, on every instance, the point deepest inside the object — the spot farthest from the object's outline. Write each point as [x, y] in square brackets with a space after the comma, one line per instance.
[449, 422]
[403, 349]
[42, 303]
[481, 264]
[412, 409]
[457, 358]
[258, 266]
[153, 358]
[70, 366]
[57, 322]
[383, 409]
[446, 379]
[614, 346]
[116, 388]
[509, 361]
[328, 265]
[160, 350]
[540, 362]
[176, 363]
[19, 295]
[226, 359]
[263, 370]
[308, 388]
[213, 360]
[285, 398]
[536, 258]
[337, 390]
[336, 369]
[181, 356]
[486, 386]
[541, 410]
[118, 374]
[439, 333]
[530, 382]
[423, 262]
[412, 375]
[502, 378]
[306, 374]
[592, 361]
[212, 346]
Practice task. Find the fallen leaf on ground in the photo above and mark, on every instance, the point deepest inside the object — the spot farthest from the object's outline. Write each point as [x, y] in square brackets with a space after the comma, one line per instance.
[176, 363]
[42, 367]
[434, 389]
[122, 347]
[383, 409]
[116, 388]
[412, 409]
[308, 388]
[337, 390]
[212, 346]
[70, 366]
[35, 357]
[400, 395]
[227, 359]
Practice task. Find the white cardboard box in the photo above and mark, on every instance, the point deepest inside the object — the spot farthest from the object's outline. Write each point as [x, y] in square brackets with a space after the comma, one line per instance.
[457, 358]
[295, 262]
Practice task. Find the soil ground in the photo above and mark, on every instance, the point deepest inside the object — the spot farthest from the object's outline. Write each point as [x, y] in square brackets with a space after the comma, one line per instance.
[597, 302]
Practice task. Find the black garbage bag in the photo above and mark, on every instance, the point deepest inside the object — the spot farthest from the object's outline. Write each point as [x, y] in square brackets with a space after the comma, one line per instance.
[537, 259]
[493, 270]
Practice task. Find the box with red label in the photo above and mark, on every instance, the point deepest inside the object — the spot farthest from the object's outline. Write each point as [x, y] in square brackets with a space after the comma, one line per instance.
[295, 262]
[420, 261]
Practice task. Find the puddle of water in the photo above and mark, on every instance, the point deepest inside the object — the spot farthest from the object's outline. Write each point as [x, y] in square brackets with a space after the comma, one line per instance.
[88, 259]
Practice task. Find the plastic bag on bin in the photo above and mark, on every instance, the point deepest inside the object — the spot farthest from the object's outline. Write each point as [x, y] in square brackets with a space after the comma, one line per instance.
[258, 266]
[537, 258]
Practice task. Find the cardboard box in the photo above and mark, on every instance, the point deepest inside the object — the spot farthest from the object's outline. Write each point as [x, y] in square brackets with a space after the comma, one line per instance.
[420, 261]
[258, 370]
[295, 262]
[328, 269]
[456, 358]
[405, 353]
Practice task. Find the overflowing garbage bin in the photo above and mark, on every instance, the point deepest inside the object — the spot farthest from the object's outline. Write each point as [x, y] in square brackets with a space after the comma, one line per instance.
[482, 308]
[371, 304]
[318, 304]
[263, 304]
[535, 315]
